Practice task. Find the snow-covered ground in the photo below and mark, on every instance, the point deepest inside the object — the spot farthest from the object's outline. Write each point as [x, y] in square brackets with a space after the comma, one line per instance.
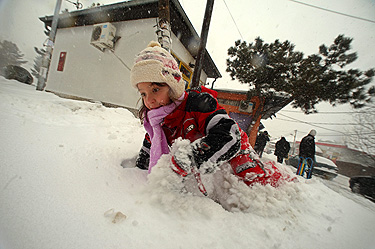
[62, 185]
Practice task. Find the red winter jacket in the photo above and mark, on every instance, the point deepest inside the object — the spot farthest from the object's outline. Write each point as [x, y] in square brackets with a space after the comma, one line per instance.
[200, 117]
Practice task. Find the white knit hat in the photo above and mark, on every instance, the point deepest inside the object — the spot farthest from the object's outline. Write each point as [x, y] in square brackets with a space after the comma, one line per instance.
[313, 133]
[155, 64]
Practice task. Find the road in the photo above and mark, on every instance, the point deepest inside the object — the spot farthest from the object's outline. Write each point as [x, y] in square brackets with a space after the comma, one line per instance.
[340, 184]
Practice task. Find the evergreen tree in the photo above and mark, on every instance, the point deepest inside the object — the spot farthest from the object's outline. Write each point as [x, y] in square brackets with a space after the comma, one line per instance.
[10, 54]
[277, 68]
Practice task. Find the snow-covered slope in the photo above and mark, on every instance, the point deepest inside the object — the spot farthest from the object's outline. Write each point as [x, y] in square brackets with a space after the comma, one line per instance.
[62, 186]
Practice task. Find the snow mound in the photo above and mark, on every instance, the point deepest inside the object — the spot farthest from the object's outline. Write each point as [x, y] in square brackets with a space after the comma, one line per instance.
[175, 193]
[68, 181]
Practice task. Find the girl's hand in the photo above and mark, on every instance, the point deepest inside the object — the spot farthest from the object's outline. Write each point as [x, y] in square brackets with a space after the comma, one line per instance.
[180, 168]
[185, 170]
[182, 159]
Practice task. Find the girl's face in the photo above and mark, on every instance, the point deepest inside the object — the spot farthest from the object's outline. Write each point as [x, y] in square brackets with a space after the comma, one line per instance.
[153, 94]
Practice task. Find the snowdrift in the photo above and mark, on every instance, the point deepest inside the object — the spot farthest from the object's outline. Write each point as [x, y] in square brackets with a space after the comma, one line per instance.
[68, 181]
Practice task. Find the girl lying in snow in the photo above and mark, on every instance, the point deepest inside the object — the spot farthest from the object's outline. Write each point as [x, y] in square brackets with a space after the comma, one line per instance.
[169, 112]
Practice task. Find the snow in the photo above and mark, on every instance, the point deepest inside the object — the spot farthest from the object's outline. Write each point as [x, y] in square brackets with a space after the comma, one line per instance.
[324, 160]
[318, 150]
[68, 181]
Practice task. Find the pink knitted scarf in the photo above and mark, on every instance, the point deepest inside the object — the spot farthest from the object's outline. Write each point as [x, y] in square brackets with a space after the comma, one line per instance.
[152, 124]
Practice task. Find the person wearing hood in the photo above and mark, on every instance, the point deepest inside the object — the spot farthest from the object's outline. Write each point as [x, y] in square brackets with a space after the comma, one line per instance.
[307, 148]
[261, 142]
[282, 148]
[307, 145]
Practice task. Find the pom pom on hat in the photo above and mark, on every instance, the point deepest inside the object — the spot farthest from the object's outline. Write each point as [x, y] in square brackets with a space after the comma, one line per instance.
[153, 44]
[155, 64]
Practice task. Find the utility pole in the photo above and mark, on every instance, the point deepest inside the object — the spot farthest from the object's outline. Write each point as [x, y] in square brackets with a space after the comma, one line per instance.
[202, 44]
[47, 56]
[164, 28]
[294, 141]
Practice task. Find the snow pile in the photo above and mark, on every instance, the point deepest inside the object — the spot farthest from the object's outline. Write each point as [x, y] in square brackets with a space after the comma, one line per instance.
[324, 160]
[68, 181]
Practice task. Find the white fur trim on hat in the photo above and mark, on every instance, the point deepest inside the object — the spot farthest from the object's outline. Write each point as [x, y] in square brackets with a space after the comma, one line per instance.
[155, 64]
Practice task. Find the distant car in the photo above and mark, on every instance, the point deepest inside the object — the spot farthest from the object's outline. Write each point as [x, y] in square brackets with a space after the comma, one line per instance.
[13, 72]
[323, 167]
[364, 185]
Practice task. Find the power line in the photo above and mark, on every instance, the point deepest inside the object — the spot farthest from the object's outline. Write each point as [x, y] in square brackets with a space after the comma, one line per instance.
[339, 135]
[325, 123]
[233, 20]
[300, 121]
[332, 11]
[314, 125]
[324, 134]
[309, 5]
[365, 112]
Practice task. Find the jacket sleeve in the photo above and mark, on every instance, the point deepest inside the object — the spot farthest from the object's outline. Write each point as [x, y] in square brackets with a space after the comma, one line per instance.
[143, 158]
[222, 140]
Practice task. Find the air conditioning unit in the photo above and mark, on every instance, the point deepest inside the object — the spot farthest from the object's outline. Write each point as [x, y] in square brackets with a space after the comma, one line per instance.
[246, 106]
[103, 35]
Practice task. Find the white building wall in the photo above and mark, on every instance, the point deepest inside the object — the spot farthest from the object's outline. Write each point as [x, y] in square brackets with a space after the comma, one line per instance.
[184, 55]
[101, 76]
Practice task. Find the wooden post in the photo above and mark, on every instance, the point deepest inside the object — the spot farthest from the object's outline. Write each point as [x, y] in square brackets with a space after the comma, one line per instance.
[202, 44]
[255, 122]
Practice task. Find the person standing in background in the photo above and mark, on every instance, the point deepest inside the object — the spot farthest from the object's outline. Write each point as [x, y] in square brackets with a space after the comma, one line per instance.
[307, 150]
[261, 142]
[307, 145]
[282, 148]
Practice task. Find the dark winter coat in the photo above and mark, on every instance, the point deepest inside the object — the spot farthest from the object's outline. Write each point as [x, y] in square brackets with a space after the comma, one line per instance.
[261, 140]
[282, 148]
[307, 147]
[200, 117]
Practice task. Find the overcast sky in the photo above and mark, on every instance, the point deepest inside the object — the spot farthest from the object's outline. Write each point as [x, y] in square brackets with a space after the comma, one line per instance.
[305, 26]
